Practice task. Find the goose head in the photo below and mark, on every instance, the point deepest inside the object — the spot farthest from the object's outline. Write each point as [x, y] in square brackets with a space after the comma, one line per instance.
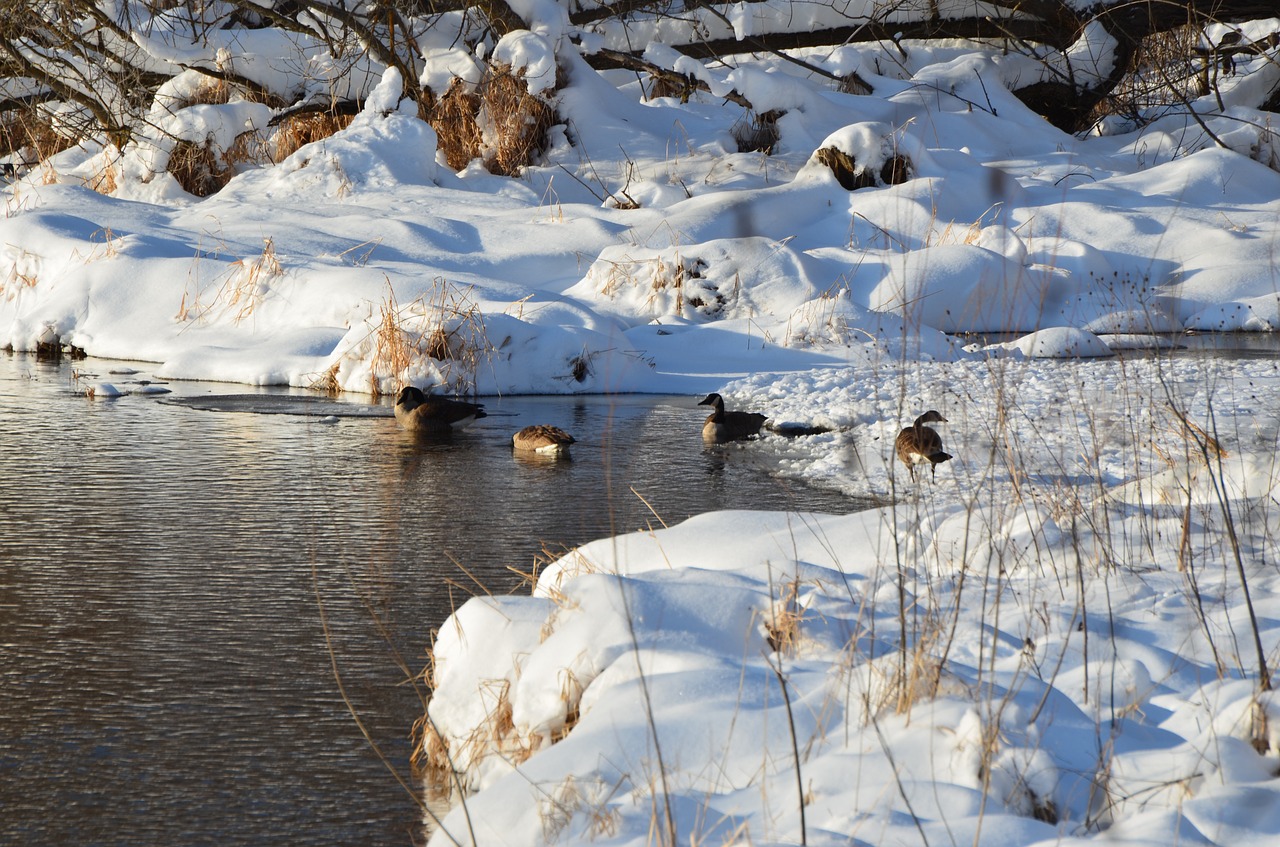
[410, 396]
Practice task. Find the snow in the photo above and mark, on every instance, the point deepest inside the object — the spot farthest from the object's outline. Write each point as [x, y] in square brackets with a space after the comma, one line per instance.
[1052, 643]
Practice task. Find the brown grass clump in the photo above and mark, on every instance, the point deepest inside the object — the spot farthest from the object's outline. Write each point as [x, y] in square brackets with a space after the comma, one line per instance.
[853, 84]
[31, 135]
[437, 763]
[571, 692]
[248, 147]
[198, 168]
[429, 759]
[210, 92]
[499, 122]
[782, 624]
[441, 345]
[299, 130]
[453, 117]
[516, 122]
[392, 352]
[895, 170]
[105, 180]
[327, 382]
[456, 337]
[445, 326]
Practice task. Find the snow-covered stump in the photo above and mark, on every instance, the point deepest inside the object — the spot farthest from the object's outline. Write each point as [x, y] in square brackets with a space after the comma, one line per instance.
[866, 156]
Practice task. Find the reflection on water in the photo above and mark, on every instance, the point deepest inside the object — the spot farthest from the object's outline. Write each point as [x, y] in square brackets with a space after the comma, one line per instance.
[164, 570]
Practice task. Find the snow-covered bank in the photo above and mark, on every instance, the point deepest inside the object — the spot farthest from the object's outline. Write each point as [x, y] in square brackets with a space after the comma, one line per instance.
[1050, 644]
[346, 264]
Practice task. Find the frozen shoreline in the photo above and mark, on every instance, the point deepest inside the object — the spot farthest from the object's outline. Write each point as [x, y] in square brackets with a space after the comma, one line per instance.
[1077, 662]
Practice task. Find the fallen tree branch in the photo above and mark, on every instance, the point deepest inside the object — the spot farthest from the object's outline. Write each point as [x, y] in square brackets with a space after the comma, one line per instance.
[616, 59]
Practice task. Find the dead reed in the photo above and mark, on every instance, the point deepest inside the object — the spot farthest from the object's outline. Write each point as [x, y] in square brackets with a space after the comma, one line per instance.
[498, 122]
[299, 130]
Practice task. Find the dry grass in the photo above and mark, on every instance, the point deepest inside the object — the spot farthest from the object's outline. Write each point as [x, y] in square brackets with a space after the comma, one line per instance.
[247, 285]
[852, 84]
[782, 624]
[456, 338]
[823, 320]
[107, 238]
[847, 172]
[429, 759]
[573, 797]
[328, 382]
[439, 334]
[248, 147]
[298, 131]
[392, 352]
[571, 693]
[757, 132]
[499, 122]
[695, 294]
[453, 117]
[953, 234]
[31, 135]
[515, 122]
[106, 179]
[210, 92]
[437, 762]
[674, 86]
[24, 272]
[199, 168]
[1160, 61]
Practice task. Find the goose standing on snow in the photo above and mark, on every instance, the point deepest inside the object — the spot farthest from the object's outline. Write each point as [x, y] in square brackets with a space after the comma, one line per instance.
[729, 426]
[918, 443]
[541, 438]
[431, 415]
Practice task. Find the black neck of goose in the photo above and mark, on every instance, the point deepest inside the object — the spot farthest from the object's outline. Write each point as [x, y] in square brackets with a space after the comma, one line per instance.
[718, 414]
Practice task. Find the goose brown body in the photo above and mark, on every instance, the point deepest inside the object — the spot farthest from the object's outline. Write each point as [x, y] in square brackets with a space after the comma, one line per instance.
[542, 438]
[423, 413]
[918, 443]
[723, 426]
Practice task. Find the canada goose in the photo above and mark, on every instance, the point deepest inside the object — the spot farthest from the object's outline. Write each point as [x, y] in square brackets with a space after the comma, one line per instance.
[729, 426]
[919, 443]
[540, 438]
[433, 415]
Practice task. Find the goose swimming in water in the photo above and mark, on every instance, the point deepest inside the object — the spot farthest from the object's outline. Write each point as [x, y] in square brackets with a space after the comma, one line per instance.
[432, 415]
[918, 444]
[723, 426]
[541, 438]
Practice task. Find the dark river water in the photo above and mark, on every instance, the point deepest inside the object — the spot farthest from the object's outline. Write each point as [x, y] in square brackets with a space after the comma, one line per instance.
[203, 613]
